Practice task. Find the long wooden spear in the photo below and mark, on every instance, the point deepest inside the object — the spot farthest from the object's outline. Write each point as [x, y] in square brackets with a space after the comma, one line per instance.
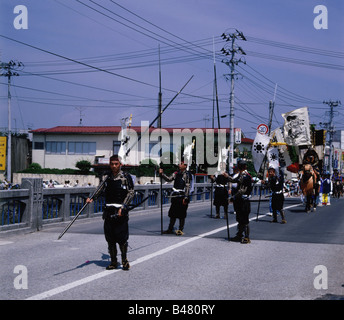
[103, 182]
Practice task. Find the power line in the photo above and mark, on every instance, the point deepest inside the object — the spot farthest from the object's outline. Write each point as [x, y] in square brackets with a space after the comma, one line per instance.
[296, 61]
[288, 94]
[150, 34]
[304, 49]
[156, 26]
[96, 68]
[142, 64]
[78, 62]
[85, 85]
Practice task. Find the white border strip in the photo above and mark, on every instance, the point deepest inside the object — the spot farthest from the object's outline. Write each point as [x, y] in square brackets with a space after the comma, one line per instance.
[50, 293]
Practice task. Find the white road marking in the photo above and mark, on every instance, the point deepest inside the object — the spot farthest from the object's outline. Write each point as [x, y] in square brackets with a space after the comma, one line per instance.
[74, 284]
[2, 243]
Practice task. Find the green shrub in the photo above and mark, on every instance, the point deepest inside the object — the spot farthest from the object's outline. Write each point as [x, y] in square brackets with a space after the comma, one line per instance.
[34, 166]
[84, 166]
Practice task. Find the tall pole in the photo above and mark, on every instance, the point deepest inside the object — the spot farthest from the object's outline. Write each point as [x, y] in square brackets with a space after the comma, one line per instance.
[231, 112]
[9, 67]
[159, 126]
[331, 131]
[160, 93]
[271, 109]
[232, 62]
[9, 138]
[271, 112]
[331, 137]
[216, 94]
[214, 88]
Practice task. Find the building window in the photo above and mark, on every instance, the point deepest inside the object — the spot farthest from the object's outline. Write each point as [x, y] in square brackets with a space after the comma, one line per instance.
[116, 146]
[82, 148]
[55, 147]
[38, 145]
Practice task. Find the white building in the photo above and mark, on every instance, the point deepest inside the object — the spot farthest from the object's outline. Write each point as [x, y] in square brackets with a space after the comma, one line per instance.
[63, 146]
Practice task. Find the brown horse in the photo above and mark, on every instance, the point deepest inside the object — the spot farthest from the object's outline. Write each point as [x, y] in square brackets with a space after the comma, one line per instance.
[308, 186]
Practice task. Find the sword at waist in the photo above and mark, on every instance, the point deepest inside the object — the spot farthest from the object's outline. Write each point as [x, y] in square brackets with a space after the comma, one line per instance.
[116, 205]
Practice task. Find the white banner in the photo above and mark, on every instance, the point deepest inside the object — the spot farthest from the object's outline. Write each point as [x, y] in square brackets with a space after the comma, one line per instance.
[283, 154]
[188, 154]
[223, 156]
[259, 149]
[296, 127]
[273, 159]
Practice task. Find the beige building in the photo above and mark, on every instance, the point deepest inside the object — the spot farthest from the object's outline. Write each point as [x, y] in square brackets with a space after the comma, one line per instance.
[63, 146]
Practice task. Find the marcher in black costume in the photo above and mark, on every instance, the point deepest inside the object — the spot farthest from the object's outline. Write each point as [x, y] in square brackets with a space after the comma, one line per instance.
[119, 191]
[275, 184]
[241, 203]
[221, 191]
[179, 197]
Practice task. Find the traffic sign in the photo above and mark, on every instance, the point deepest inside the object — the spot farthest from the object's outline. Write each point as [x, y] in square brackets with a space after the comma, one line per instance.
[237, 135]
[263, 129]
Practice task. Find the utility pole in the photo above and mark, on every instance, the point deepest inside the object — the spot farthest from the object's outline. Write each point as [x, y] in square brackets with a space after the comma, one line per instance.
[160, 139]
[271, 113]
[331, 131]
[232, 50]
[9, 72]
[215, 94]
[271, 109]
[160, 93]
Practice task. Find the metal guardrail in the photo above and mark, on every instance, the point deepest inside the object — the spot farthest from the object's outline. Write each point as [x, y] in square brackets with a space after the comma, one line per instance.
[32, 208]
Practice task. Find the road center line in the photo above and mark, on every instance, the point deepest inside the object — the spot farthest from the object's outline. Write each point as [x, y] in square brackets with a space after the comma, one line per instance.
[74, 284]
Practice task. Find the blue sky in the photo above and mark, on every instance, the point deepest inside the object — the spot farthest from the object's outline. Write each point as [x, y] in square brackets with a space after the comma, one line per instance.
[123, 37]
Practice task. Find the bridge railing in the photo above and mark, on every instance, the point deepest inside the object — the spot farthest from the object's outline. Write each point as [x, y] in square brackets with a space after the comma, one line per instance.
[34, 206]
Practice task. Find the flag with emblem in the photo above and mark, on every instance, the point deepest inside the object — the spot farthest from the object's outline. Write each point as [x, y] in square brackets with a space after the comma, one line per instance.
[283, 153]
[273, 158]
[259, 148]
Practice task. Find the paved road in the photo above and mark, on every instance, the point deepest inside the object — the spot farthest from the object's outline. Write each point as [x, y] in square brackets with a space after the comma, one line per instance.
[302, 259]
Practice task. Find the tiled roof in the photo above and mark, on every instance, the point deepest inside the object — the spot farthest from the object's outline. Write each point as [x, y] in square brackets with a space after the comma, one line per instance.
[109, 130]
[79, 129]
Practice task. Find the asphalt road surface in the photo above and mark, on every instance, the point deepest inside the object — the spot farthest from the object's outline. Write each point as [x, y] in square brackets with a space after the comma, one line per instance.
[300, 260]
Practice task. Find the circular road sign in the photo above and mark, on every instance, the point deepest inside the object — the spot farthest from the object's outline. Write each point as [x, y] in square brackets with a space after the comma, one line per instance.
[263, 129]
